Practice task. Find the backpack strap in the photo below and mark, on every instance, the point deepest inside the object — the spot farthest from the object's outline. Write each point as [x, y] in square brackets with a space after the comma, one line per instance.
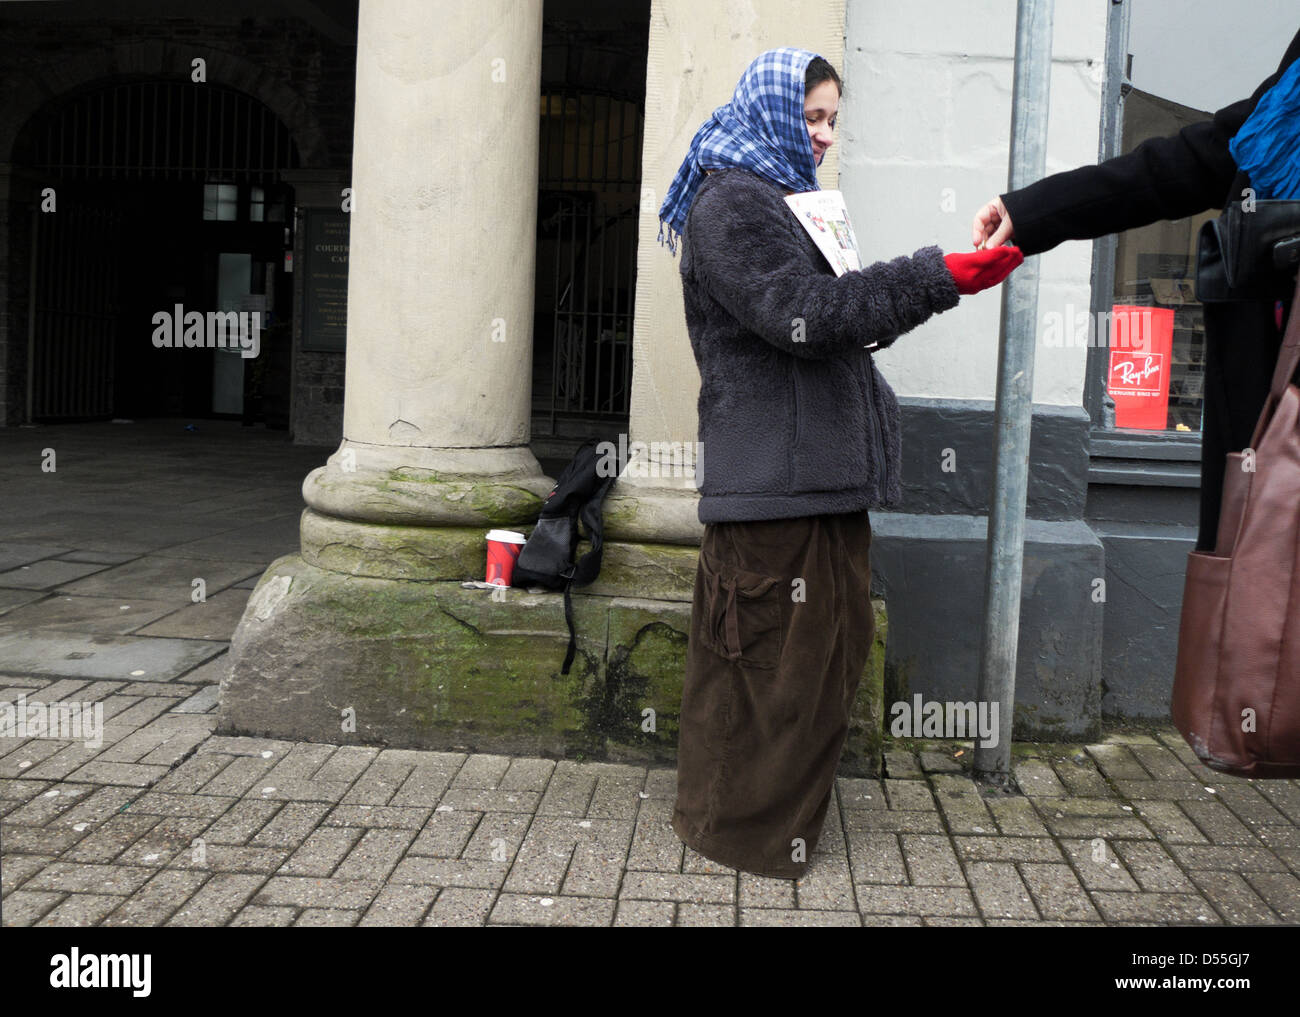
[548, 553]
[587, 568]
[568, 617]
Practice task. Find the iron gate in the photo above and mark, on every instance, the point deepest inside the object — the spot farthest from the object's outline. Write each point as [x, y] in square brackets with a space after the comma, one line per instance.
[161, 130]
[590, 180]
[72, 332]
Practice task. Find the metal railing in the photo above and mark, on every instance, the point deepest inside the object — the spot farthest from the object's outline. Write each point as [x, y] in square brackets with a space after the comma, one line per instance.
[589, 180]
[163, 130]
[73, 325]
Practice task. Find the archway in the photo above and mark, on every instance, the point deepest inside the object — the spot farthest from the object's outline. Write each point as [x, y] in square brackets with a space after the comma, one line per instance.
[168, 191]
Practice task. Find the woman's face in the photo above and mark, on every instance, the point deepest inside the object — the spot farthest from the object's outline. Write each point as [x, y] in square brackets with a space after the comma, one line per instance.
[820, 108]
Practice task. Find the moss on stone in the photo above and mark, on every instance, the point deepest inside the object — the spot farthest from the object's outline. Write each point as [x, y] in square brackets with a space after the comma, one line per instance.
[504, 504]
[863, 747]
[622, 515]
[645, 669]
[432, 665]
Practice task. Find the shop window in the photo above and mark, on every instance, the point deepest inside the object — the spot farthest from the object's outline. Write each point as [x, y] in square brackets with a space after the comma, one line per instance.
[1157, 384]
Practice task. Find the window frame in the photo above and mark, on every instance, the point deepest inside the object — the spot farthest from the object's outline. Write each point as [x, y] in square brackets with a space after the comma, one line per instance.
[1107, 440]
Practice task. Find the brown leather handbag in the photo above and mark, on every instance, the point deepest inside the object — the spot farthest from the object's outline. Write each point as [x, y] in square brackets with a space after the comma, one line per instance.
[1236, 693]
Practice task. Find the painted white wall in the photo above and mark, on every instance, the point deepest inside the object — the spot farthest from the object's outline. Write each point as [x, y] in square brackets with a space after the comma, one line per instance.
[924, 136]
[924, 141]
[1205, 53]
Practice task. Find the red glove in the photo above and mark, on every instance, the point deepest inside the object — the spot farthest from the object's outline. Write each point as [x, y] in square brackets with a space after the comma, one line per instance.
[981, 269]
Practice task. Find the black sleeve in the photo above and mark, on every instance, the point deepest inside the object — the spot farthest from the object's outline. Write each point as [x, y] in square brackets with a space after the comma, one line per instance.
[1163, 178]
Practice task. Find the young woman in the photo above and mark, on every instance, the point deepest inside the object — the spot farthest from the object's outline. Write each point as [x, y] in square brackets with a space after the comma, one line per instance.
[800, 435]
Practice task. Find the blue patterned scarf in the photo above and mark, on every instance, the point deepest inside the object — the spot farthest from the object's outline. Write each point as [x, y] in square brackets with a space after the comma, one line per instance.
[761, 129]
[1267, 147]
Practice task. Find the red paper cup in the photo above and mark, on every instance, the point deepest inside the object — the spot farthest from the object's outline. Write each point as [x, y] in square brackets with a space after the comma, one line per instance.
[502, 553]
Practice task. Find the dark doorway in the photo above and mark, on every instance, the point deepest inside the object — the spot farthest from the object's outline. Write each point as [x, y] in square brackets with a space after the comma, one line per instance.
[592, 122]
[163, 200]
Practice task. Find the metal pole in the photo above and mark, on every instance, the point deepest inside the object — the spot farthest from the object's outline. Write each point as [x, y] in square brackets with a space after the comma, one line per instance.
[1014, 410]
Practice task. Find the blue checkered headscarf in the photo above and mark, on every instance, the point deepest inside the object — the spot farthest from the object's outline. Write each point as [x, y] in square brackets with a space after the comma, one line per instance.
[761, 129]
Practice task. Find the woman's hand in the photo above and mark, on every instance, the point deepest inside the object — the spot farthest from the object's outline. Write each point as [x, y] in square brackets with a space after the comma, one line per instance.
[992, 225]
[981, 269]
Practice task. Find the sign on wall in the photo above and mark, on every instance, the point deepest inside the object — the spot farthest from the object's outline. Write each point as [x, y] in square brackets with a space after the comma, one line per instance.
[325, 279]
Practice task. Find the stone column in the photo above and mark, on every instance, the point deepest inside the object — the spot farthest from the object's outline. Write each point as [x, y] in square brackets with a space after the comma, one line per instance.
[440, 292]
[690, 72]
[367, 635]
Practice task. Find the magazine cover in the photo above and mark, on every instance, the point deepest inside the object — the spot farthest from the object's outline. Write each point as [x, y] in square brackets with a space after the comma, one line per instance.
[826, 218]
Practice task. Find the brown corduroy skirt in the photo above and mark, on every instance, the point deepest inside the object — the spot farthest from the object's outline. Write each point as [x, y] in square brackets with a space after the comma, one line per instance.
[772, 669]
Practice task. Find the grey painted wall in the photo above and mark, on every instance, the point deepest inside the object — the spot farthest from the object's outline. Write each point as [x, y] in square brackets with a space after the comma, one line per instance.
[1088, 650]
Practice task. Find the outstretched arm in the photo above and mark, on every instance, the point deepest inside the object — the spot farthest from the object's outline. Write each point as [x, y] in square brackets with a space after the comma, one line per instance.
[1163, 178]
[747, 260]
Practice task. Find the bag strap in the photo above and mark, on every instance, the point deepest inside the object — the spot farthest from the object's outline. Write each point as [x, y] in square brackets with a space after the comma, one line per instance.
[568, 617]
[1288, 359]
[587, 567]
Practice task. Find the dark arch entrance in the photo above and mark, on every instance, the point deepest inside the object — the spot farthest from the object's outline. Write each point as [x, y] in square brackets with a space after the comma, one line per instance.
[594, 59]
[156, 197]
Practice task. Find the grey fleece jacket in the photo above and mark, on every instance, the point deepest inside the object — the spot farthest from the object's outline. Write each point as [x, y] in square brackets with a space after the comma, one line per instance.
[794, 418]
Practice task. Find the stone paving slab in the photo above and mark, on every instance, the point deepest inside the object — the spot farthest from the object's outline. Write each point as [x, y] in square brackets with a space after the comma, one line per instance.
[12, 599]
[163, 578]
[99, 557]
[206, 700]
[96, 615]
[265, 539]
[214, 619]
[13, 555]
[53, 653]
[210, 672]
[45, 575]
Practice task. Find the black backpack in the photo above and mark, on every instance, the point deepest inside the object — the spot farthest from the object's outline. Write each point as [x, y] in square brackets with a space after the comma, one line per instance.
[546, 558]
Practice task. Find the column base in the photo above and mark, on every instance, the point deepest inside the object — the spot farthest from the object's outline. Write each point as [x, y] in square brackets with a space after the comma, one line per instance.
[324, 656]
[659, 509]
[419, 486]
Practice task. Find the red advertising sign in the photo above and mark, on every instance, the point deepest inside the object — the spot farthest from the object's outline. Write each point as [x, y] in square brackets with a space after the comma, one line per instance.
[1141, 351]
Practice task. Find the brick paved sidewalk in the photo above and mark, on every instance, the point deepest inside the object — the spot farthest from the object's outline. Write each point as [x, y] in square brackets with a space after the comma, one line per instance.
[167, 825]
[164, 824]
